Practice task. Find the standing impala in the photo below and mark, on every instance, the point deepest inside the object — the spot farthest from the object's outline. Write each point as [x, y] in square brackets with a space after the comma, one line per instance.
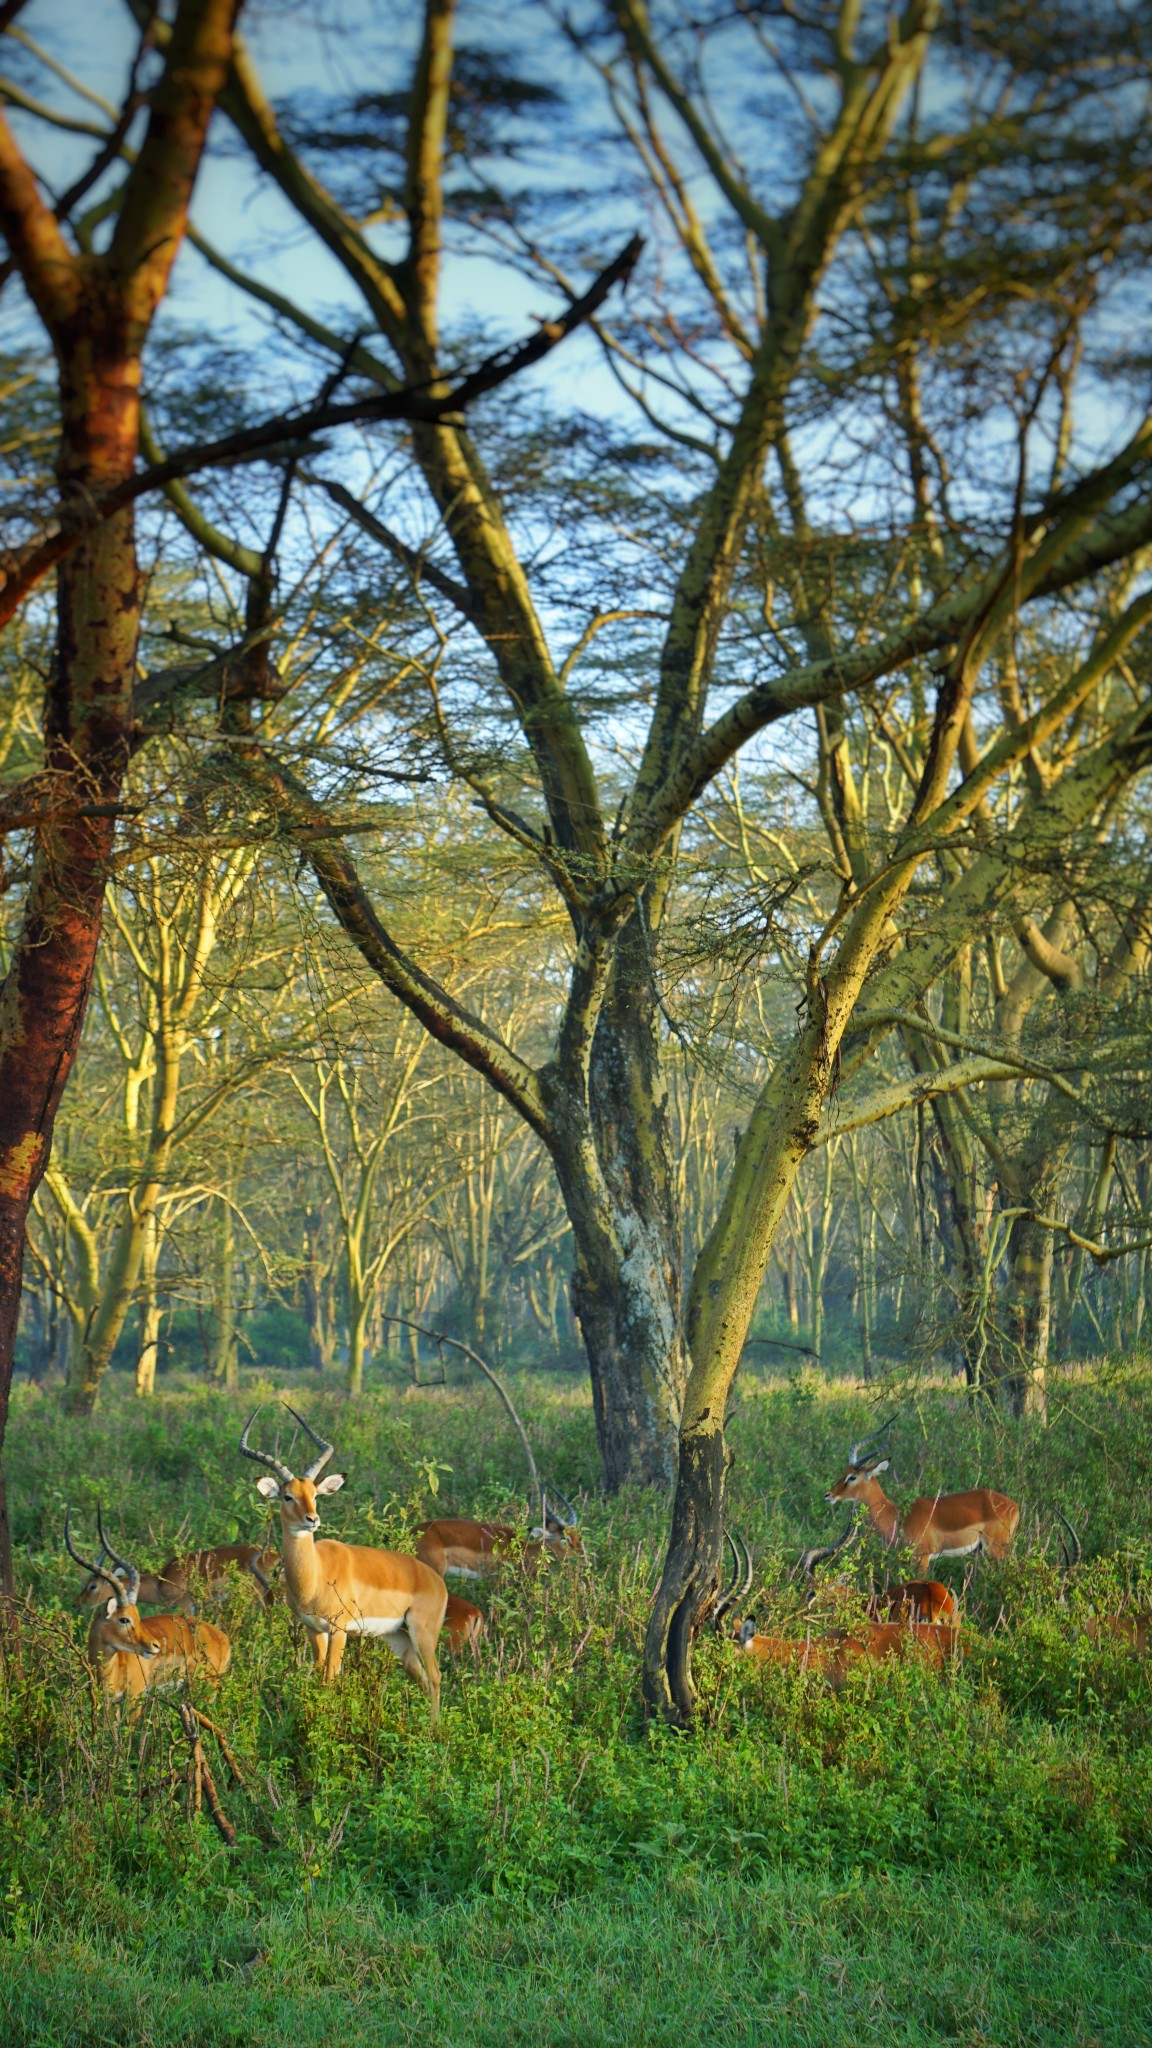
[477, 1549]
[936, 1525]
[131, 1656]
[345, 1589]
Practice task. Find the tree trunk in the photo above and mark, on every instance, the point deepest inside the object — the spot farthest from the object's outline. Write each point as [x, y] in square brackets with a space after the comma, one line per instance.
[619, 1190]
[1029, 1315]
[97, 311]
[149, 1313]
[225, 1361]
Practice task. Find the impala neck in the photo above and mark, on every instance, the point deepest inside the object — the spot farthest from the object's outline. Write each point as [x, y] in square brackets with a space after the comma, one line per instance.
[884, 1514]
[301, 1564]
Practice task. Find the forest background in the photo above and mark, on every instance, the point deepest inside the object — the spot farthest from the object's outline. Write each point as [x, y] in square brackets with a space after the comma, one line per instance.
[575, 712]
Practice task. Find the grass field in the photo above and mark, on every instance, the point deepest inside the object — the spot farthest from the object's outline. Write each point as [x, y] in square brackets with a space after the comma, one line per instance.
[920, 1859]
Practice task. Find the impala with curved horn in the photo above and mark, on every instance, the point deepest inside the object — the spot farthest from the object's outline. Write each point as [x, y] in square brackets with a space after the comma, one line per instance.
[831, 1655]
[131, 1656]
[1135, 1629]
[185, 1576]
[915, 1600]
[475, 1550]
[936, 1525]
[345, 1589]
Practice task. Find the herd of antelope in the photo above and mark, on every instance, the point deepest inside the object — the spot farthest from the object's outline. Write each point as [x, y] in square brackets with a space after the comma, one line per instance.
[336, 1590]
[919, 1617]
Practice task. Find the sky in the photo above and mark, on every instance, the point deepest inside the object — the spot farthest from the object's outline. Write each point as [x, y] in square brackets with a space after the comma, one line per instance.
[340, 46]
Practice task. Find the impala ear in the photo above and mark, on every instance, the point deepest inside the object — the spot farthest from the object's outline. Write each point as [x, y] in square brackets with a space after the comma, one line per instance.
[112, 1607]
[881, 1467]
[332, 1484]
[268, 1486]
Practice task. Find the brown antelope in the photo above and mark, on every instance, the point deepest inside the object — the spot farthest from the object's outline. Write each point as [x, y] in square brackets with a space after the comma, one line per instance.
[916, 1600]
[936, 1525]
[1134, 1629]
[475, 1550]
[131, 1656]
[345, 1589]
[463, 1626]
[831, 1655]
[185, 1576]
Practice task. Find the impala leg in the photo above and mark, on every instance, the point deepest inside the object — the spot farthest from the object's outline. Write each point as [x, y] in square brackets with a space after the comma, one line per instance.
[319, 1651]
[336, 1642]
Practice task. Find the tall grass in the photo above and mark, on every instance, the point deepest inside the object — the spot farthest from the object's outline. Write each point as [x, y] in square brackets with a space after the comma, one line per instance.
[938, 1853]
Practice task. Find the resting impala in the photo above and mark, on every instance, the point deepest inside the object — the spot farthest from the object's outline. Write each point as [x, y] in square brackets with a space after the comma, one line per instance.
[833, 1654]
[475, 1550]
[131, 1656]
[184, 1576]
[936, 1525]
[1134, 1629]
[916, 1600]
[345, 1589]
[463, 1626]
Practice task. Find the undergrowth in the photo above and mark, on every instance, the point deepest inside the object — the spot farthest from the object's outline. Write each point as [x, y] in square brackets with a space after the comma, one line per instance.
[543, 1821]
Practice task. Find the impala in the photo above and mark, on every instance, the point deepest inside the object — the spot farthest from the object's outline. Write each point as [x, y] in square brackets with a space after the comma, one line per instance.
[184, 1576]
[1133, 1629]
[463, 1626]
[131, 1656]
[475, 1550]
[345, 1589]
[936, 1525]
[833, 1654]
[916, 1600]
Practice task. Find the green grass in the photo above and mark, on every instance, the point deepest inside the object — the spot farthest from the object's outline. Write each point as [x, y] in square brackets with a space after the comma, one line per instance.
[919, 1859]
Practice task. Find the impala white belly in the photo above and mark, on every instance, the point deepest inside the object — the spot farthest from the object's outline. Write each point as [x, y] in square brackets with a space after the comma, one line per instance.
[357, 1624]
[956, 1549]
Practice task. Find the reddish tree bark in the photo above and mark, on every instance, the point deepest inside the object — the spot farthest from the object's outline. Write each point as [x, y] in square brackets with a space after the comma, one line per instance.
[97, 311]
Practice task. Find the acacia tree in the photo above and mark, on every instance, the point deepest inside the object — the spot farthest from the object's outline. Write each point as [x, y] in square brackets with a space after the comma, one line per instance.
[96, 310]
[598, 1100]
[775, 601]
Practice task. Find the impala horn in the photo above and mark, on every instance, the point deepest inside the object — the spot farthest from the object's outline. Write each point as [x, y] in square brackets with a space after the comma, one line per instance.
[570, 1519]
[264, 1457]
[808, 1560]
[735, 1590]
[325, 1449]
[1071, 1557]
[131, 1575]
[856, 1454]
[95, 1571]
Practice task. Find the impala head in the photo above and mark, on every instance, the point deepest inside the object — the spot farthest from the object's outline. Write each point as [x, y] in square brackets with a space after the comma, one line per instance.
[120, 1625]
[738, 1587]
[559, 1525]
[864, 1465]
[297, 1497]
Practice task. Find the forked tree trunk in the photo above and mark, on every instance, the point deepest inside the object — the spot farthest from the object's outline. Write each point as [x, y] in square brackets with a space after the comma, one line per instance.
[620, 1194]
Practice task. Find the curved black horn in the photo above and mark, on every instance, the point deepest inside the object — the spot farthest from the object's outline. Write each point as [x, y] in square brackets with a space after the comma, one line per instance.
[95, 1571]
[738, 1587]
[132, 1576]
[1071, 1557]
[571, 1518]
[808, 1560]
[317, 1466]
[725, 1599]
[854, 1455]
[263, 1457]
